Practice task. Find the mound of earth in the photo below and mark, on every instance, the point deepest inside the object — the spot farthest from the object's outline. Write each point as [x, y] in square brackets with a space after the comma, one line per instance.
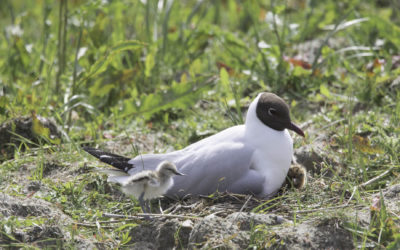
[19, 133]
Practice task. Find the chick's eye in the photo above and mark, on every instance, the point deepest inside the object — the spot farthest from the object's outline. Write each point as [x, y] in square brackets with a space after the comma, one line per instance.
[272, 111]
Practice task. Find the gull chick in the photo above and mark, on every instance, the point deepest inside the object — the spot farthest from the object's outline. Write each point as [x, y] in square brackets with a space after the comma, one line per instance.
[148, 184]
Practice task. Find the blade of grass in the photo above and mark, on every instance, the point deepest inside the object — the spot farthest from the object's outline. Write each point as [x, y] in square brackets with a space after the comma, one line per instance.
[62, 42]
[72, 89]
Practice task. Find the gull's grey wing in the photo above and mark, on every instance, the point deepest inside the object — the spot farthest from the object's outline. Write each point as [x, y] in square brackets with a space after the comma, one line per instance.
[221, 167]
[151, 161]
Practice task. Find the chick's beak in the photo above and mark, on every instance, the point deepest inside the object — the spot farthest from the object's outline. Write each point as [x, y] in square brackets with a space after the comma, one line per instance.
[179, 173]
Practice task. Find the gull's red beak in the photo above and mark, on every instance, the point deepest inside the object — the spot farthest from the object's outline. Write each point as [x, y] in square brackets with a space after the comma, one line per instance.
[296, 129]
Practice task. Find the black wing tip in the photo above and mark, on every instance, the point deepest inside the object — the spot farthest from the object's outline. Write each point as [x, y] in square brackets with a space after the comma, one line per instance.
[117, 161]
[93, 151]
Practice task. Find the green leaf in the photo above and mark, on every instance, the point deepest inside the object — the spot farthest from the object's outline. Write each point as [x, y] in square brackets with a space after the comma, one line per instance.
[386, 29]
[101, 65]
[179, 95]
[149, 63]
[128, 225]
[278, 9]
[326, 51]
[195, 68]
[224, 77]
[127, 45]
[324, 90]
[3, 104]
[40, 130]
[103, 90]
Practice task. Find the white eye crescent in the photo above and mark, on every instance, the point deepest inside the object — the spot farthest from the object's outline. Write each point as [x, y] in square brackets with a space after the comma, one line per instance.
[272, 111]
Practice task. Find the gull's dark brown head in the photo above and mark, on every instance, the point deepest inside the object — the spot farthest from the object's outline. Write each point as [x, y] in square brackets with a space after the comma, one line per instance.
[274, 112]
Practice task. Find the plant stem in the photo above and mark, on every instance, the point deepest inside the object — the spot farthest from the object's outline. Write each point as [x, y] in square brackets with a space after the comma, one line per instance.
[62, 41]
[74, 75]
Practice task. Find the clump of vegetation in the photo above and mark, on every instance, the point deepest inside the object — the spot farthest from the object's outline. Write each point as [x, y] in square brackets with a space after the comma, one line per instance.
[152, 76]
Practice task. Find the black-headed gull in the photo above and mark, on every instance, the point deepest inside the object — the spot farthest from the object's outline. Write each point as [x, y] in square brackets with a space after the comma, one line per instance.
[253, 158]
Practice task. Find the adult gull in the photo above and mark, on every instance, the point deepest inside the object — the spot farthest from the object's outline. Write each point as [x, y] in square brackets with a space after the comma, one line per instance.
[253, 158]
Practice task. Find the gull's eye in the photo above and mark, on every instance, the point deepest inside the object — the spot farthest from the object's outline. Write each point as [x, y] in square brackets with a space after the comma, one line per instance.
[272, 112]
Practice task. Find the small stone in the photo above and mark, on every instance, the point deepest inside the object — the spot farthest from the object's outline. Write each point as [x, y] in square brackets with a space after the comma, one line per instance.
[187, 224]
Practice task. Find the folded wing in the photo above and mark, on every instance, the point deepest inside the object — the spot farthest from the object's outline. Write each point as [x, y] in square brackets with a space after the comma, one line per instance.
[219, 167]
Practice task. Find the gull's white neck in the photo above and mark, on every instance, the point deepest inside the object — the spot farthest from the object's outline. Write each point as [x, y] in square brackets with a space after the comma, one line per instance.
[274, 149]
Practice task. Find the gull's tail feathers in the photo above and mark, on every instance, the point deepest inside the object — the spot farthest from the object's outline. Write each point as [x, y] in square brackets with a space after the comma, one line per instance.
[117, 161]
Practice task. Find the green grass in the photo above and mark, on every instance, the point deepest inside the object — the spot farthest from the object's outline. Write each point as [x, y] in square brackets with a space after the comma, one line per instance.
[134, 72]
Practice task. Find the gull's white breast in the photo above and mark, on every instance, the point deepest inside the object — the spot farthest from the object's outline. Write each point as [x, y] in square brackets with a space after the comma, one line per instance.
[272, 160]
